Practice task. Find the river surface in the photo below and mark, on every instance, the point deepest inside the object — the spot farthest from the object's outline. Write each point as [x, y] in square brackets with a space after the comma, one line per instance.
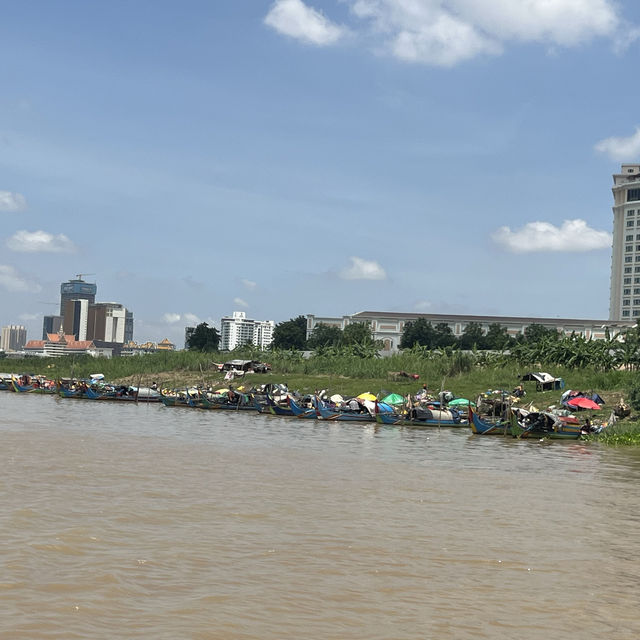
[141, 521]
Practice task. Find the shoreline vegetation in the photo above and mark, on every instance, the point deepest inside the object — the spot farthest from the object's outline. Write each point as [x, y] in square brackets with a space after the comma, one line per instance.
[465, 374]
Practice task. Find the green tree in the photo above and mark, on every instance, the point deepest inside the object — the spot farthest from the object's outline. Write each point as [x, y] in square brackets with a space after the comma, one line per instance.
[443, 335]
[418, 332]
[537, 333]
[203, 338]
[357, 333]
[497, 337]
[291, 334]
[472, 337]
[324, 335]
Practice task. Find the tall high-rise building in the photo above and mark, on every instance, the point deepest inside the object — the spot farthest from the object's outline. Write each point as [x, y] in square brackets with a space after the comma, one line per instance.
[51, 324]
[107, 321]
[624, 295]
[13, 337]
[76, 314]
[238, 330]
[77, 289]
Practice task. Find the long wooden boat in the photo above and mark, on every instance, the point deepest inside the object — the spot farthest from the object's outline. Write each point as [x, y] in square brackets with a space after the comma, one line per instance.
[325, 413]
[424, 418]
[545, 425]
[275, 408]
[483, 427]
[244, 403]
[303, 412]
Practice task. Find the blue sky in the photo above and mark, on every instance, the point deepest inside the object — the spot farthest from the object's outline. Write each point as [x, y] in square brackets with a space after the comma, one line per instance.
[318, 156]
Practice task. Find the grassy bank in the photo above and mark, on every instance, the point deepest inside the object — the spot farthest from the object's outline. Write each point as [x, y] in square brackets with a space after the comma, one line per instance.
[458, 372]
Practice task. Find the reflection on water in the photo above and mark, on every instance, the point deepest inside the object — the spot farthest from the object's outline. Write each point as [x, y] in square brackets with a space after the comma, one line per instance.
[148, 522]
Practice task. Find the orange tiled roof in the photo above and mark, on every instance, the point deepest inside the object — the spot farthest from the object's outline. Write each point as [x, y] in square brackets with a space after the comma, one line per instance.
[34, 344]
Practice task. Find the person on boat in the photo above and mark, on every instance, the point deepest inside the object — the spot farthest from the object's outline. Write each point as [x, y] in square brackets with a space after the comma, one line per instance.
[232, 396]
[519, 392]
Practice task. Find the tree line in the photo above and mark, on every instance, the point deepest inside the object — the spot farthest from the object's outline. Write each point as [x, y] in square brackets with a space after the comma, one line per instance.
[537, 344]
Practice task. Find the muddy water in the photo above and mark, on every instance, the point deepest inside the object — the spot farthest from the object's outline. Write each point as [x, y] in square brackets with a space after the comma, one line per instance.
[149, 522]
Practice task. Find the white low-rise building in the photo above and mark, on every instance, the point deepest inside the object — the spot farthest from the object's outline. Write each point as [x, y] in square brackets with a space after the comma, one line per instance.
[389, 326]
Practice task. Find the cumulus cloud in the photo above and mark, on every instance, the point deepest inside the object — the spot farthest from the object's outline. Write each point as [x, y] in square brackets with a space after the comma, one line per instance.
[573, 236]
[11, 280]
[249, 284]
[40, 242]
[447, 32]
[10, 201]
[361, 269]
[191, 318]
[621, 149]
[297, 20]
[240, 302]
[173, 318]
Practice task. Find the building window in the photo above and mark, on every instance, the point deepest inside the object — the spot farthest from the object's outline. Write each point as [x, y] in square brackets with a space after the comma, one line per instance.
[636, 312]
[628, 270]
[629, 248]
[626, 303]
[628, 280]
[630, 238]
[625, 312]
[636, 302]
[633, 195]
[628, 258]
[626, 292]
[629, 223]
[631, 212]
[637, 270]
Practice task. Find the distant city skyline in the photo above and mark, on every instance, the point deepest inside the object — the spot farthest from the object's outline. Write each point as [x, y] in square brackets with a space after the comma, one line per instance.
[294, 157]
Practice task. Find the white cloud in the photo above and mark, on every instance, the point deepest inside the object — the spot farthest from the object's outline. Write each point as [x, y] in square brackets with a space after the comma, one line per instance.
[249, 284]
[443, 42]
[573, 236]
[361, 269]
[173, 318]
[559, 22]
[40, 242]
[622, 149]
[240, 302]
[447, 32]
[294, 18]
[10, 201]
[29, 316]
[191, 318]
[423, 305]
[12, 280]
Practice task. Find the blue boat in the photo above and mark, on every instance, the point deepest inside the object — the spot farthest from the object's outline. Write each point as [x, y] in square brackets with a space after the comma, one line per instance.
[483, 427]
[423, 417]
[303, 412]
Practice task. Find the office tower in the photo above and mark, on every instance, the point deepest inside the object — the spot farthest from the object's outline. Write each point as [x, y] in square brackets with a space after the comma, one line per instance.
[107, 321]
[76, 313]
[51, 324]
[77, 289]
[13, 337]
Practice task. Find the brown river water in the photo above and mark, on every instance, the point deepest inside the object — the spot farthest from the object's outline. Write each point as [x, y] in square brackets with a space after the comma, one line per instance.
[141, 521]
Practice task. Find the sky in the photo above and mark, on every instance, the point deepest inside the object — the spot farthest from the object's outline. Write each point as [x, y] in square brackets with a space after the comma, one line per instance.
[324, 157]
